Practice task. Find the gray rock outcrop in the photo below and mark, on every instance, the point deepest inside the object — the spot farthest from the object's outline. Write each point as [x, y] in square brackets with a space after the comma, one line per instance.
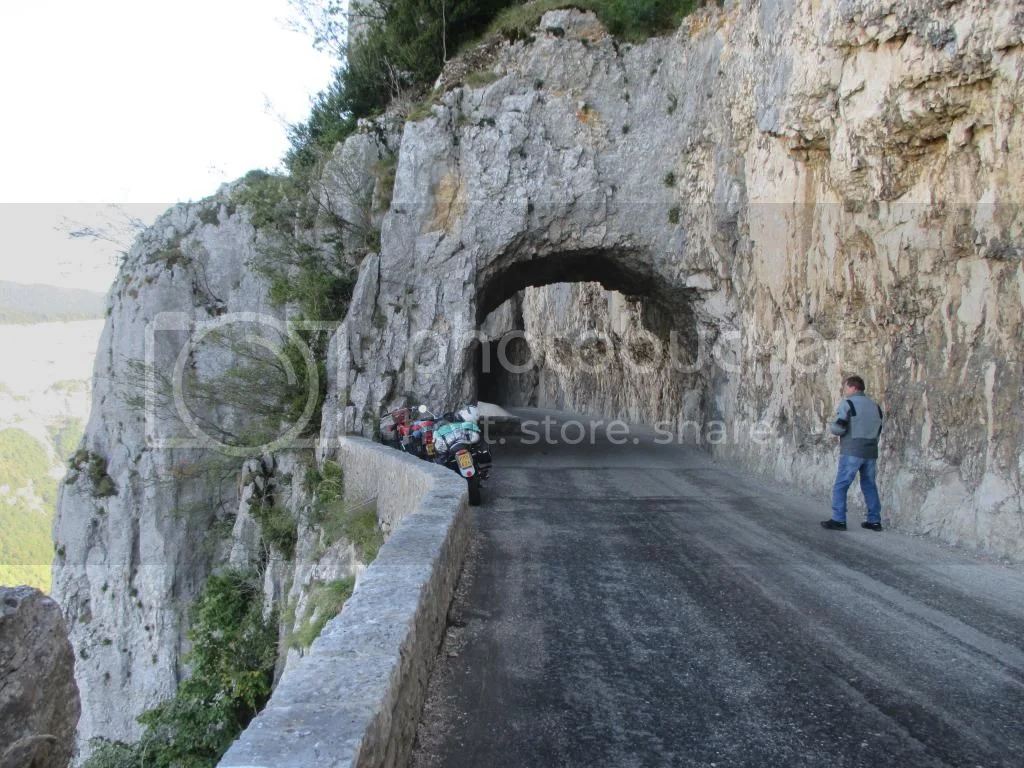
[39, 704]
[186, 439]
[790, 192]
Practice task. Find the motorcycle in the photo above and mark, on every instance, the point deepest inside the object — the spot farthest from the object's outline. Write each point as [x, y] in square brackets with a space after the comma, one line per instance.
[396, 429]
[409, 432]
[458, 444]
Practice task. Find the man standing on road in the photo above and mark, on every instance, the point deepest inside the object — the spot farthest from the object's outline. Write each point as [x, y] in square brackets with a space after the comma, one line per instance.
[858, 423]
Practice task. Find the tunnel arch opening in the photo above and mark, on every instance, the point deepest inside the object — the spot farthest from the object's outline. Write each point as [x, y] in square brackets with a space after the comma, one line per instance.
[624, 271]
[594, 331]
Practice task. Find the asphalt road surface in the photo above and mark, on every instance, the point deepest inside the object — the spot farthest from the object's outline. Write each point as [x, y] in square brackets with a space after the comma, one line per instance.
[640, 605]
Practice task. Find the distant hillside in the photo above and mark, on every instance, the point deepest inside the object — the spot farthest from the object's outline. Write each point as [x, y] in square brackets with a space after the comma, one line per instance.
[28, 499]
[21, 303]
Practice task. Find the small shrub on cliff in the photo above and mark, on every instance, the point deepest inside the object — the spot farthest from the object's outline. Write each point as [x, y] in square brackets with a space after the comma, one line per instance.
[518, 21]
[482, 78]
[275, 201]
[277, 526]
[114, 754]
[384, 171]
[361, 526]
[358, 524]
[327, 483]
[637, 20]
[316, 278]
[95, 467]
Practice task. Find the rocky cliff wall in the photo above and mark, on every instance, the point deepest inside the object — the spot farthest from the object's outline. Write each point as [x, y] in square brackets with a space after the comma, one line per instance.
[187, 446]
[794, 190]
[132, 527]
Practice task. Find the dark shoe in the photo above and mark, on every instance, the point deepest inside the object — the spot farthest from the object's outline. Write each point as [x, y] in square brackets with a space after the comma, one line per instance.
[833, 525]
[871, 526]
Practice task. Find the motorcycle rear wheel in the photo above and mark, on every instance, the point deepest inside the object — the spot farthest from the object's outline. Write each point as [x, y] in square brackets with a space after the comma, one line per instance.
[474, 490]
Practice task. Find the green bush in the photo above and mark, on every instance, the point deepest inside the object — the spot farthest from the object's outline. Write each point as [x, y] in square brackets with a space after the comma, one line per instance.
[327, 483]
[277, 526]
[404, 47]
[632, 20]
[275, 201]
[297, 392]
[637, 20]
[95, 468]
[482, 78]
[358, 524]
[114, 754]
[384, 171]
[329, 122]
[319, 282]
[232, 664]
[519, 21]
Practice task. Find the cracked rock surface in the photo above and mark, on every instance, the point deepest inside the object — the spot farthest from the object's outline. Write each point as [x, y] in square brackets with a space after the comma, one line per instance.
[39, 704]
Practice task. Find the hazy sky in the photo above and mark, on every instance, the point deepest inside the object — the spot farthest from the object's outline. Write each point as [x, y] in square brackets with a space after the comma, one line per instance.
[138, 103]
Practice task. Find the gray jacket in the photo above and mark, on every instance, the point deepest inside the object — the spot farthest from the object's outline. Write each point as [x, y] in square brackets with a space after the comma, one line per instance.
[859, 423]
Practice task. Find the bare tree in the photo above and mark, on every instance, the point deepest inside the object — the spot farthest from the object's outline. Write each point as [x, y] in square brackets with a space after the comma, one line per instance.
[325, 21]
[116, 226]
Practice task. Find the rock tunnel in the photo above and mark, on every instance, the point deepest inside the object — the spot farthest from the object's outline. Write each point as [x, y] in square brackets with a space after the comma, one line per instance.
[600, 201]
[594, 331]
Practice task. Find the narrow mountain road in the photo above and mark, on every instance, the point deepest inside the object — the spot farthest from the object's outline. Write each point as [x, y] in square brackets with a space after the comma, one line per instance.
[640, 605]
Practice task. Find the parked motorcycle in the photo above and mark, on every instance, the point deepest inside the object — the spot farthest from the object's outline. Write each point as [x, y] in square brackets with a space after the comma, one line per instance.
[458, 444]
[408, 431]
[396, 428]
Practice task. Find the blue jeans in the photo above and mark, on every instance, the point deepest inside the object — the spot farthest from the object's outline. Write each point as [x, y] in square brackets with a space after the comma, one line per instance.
[849, 466]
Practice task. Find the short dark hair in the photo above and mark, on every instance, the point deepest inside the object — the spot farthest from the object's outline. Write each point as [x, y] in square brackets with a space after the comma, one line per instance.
[856, 382]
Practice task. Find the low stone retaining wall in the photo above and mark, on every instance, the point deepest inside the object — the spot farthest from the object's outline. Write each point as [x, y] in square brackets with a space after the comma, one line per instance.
[356, 698]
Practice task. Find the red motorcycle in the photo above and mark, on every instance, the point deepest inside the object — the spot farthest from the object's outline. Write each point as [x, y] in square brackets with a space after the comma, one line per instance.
[409, 431]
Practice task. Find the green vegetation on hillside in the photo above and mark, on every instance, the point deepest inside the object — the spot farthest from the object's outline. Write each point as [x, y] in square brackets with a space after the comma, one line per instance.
[407, 42]
[66, 435]
[232, 664]
[631, 20]
[315, 279]
[26, 546]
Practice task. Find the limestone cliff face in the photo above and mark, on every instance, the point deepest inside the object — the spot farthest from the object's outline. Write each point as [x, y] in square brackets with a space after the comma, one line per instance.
[175, 456]
[129, 559]
[778, 194]
[790, 190]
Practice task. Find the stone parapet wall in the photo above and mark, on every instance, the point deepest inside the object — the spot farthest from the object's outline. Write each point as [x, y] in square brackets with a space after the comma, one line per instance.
[356, 698]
